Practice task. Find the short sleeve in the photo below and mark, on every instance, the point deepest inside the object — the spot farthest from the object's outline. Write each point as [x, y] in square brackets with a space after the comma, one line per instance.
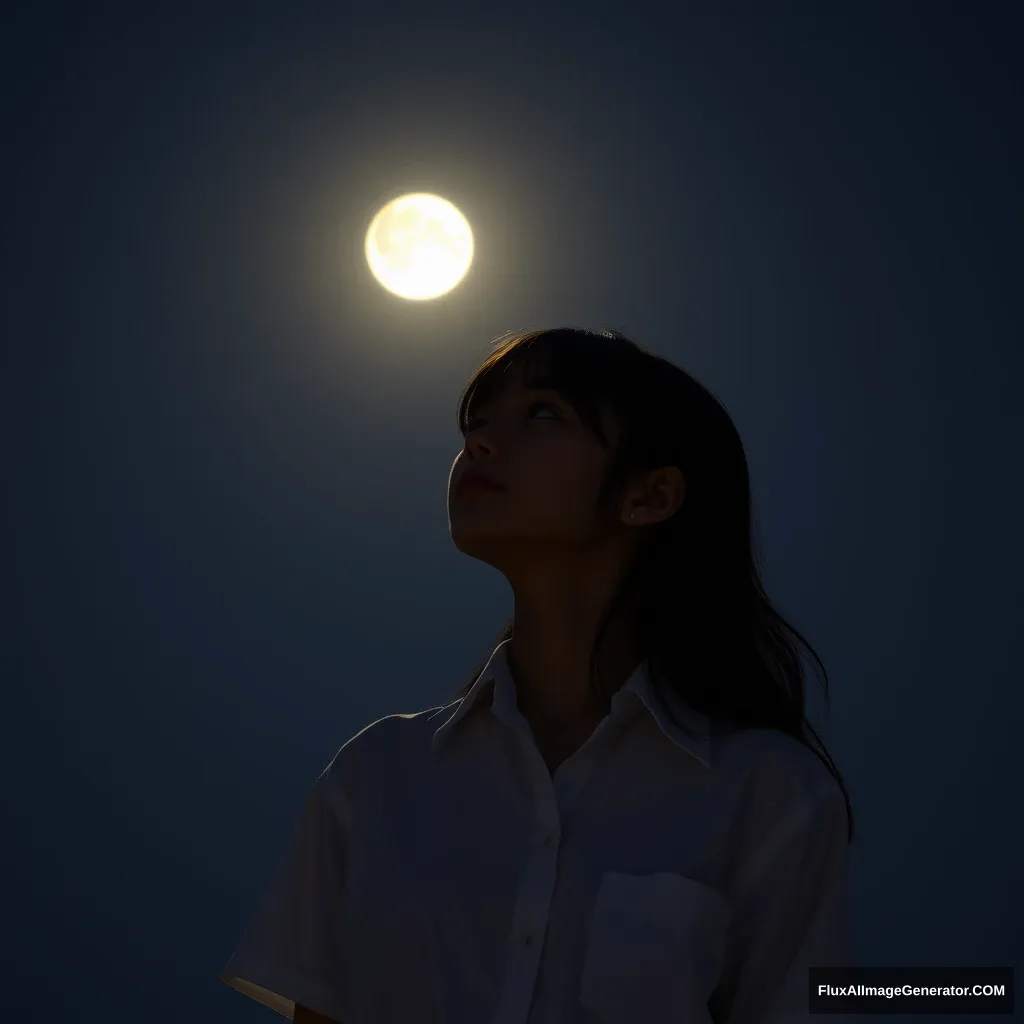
[791, 914]
[291, 951]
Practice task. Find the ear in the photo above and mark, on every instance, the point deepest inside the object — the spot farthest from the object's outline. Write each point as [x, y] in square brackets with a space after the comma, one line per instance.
[654, 498]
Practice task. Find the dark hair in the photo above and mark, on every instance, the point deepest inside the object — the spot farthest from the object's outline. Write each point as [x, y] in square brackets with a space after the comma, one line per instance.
[694, 593]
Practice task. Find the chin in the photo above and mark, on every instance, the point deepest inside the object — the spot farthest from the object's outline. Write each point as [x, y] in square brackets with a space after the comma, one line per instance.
[482, 541]
[480, 553]
[472, 541]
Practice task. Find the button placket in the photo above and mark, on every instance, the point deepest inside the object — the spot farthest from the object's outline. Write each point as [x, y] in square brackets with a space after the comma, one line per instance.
[536, 890]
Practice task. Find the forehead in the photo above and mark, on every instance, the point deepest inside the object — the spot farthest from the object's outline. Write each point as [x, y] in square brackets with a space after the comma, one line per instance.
[544, 364]
[516, 375]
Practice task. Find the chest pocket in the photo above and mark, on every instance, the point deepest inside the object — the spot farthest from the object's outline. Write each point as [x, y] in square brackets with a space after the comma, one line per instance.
[655, 949]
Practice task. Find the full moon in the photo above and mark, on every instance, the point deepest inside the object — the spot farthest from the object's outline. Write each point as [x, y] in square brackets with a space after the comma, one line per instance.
[419, 246]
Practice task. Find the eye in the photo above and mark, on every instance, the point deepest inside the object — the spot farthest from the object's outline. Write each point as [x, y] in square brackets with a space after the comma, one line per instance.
[552, 413]
[474, 423]
[536, 407]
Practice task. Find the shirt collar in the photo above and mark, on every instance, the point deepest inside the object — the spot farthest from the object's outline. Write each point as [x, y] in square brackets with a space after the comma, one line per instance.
[686, 727]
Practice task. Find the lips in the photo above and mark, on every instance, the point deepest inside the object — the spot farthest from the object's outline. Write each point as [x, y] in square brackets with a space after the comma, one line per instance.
[476, 480]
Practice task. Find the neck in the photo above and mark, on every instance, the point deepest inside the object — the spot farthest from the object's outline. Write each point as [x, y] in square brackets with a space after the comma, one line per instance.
[554, 629]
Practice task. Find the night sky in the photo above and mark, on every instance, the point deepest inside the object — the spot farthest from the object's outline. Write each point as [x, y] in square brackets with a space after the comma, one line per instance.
[228, 530]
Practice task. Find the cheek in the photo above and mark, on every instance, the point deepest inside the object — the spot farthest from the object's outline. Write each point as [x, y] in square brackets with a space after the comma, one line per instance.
[558, 483]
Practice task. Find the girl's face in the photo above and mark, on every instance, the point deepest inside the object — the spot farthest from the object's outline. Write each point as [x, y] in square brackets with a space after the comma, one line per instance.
[545, 467]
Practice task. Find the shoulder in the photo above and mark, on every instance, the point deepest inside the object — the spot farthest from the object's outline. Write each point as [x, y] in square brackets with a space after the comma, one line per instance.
[398, 731]
[768, 750]
[778, 775]
[394, 743]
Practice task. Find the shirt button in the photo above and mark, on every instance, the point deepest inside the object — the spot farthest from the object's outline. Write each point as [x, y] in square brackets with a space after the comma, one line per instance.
[528, 940]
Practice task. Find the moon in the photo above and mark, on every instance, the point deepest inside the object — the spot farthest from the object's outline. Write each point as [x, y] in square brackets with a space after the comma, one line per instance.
[419, 246]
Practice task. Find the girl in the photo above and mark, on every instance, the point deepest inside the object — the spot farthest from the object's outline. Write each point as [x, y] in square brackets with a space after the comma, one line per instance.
[623, 817]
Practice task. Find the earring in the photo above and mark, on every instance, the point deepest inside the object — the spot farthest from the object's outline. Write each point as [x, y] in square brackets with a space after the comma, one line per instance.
[632, 515]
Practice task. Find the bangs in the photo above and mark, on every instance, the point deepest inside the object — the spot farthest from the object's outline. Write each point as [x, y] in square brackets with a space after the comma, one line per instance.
[581, 366]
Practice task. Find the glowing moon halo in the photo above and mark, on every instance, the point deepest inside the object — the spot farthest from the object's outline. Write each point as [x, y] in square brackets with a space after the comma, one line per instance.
[419, 246]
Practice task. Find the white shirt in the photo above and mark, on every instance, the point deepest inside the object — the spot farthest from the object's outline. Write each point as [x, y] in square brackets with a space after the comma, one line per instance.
[665, 873]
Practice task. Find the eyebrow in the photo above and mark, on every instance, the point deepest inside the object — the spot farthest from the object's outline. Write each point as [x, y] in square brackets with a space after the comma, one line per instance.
[528, 388]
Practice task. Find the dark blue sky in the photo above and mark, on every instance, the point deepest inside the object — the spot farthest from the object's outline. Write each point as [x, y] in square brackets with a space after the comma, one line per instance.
[229, 544]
